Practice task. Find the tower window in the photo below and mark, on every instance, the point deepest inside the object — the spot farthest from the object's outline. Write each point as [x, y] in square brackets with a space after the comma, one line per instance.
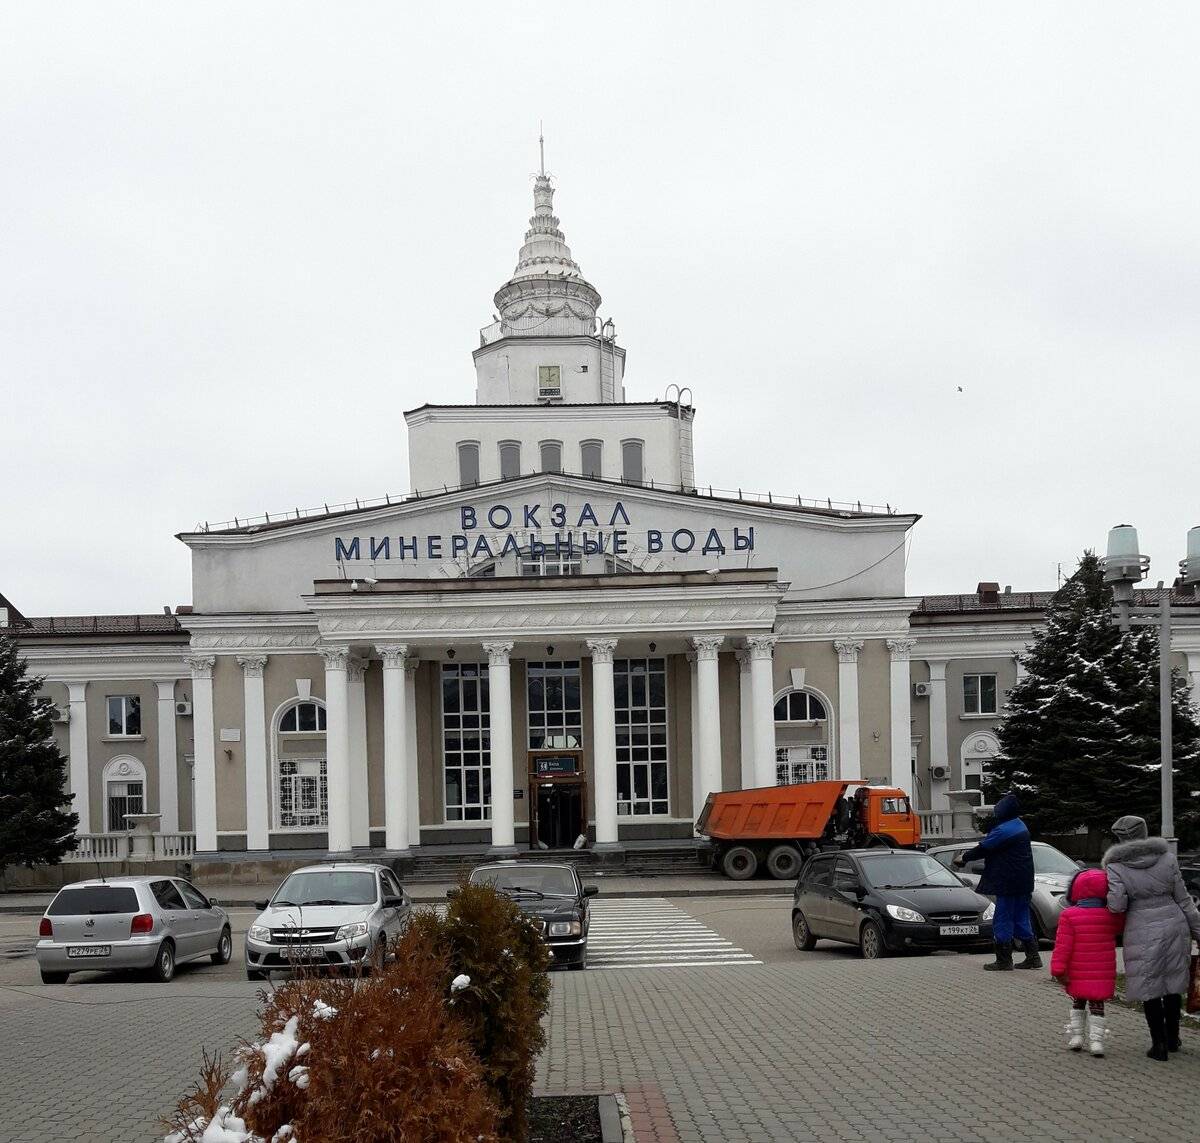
[590, 454]
[551, 456]
[510, 460]
[631, 462]
[468, 463]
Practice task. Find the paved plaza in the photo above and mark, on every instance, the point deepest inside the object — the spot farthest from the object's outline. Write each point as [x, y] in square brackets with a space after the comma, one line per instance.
[800, 1046]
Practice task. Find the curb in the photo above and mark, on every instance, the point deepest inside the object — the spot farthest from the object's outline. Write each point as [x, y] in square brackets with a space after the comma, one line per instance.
[624, 1121]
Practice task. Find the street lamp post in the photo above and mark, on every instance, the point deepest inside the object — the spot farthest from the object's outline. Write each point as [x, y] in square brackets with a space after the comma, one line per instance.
[1125, 566]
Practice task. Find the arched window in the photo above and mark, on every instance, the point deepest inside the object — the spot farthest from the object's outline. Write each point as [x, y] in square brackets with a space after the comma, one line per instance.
[632, 471]
[591, 455]
[124, 782]
[303, 718]
[551, 456]
[802, 739]
[301, 782]
[976, 756]
[468, 462]
[510, 460]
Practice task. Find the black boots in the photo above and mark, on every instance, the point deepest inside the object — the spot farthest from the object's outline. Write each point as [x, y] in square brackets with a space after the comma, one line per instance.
[1032, 957]
[1171, 1006]
[1003, 961]
[1156, 1020]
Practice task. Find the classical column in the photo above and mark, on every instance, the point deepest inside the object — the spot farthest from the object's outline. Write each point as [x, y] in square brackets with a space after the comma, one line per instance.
[168, 761]
[708, 699]
[337, 746]
[204, 751]
[500, 716]
[1193, 670]
[762, 699]
[849, 740]
[939, 747]
[414, 780]
[396, 790]
[360, 808]
[77, 745]
[604, 741]
[697, 796]
[257, 785]
[901, 722]
[746, 719]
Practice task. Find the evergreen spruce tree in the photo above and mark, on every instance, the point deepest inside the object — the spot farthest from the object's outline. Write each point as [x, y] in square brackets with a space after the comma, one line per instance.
[1079, 742]
[37, 825]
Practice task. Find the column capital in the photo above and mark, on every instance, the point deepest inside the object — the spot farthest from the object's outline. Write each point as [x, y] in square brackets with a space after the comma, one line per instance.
[602, 649]
[761, 646]
[356, 669]
[76, 692]
[937, 669]
[201, 666]
[847, 649]
[742, 655]
[498, 653]
[336, 658]
[393, 654]
[166, 690]
[411, 665]
[901, 648]
[252, 665]
[707, 646]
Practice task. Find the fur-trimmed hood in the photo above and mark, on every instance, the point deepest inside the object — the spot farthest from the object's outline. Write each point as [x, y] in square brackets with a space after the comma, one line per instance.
[1139, 854]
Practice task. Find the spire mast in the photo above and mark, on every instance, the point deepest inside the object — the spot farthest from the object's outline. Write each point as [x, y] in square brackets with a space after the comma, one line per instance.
[542, 147]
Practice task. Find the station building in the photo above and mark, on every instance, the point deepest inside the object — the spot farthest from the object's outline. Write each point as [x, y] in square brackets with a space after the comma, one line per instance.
[559, 632]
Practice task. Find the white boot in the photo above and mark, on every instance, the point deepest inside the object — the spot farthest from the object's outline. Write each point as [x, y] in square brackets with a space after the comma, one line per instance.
[1075, 1029]
[1096, 1033]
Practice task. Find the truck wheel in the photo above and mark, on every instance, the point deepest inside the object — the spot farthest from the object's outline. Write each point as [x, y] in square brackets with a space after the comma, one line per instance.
[870, 942]
[802, 935]
[739, 863]
[783, 863]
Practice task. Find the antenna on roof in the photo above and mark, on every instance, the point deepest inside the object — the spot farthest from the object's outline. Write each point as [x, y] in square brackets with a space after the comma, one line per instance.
[542, 147]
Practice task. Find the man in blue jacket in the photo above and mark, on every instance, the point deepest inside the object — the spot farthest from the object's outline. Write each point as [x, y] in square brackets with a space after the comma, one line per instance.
[1008, 876]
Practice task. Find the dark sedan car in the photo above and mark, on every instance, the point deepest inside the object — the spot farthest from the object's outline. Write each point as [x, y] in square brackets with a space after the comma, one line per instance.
[887, 900]
[553, 896]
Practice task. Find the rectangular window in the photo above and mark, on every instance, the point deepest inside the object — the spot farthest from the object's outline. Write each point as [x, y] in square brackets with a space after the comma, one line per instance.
[640, 687]
[555, 707]
[796, 764]
[468, 463]
[549, 382]
[303, 793]
[551, 564]
[510, 461]
[631, 462]
[979, 694]
[124, 716]
[590, 456]
[466, 742]
[551, 456]
[123, 798]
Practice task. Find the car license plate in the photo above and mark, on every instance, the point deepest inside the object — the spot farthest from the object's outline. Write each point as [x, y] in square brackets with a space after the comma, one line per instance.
[77, 951]
[304, 952]
[959, 930]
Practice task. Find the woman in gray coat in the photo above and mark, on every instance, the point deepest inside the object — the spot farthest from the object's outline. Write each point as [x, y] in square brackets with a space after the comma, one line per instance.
[1144, 883]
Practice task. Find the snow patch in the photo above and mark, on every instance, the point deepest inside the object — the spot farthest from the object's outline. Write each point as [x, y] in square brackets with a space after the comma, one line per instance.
[460, 982]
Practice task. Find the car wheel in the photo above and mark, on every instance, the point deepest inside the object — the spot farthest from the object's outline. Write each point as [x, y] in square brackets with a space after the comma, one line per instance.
[802, 935]
[224, 953]
[740, 863]
[379, 956]
[1039, 929]
[870, 942]
[164, 964]
[783, 863]
[53, 977]
[254, 974]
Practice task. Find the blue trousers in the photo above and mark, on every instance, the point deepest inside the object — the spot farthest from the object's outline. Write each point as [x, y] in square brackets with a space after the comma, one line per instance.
[1012, 918]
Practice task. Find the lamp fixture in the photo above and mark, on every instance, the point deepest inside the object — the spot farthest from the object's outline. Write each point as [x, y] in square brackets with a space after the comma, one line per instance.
[449, 652]
[549, 650]
[653, 648]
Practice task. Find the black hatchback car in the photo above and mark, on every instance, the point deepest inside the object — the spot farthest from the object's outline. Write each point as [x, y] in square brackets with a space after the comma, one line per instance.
[552, 895]
[887, 900]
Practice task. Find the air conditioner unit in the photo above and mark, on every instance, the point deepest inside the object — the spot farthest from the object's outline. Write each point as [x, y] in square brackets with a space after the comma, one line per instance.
[61, 714]
[939, 772]
[183, 709]
[922, 690]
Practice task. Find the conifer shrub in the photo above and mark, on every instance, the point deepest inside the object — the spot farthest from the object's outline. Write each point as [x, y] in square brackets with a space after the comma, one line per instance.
[385, 1058]
[485, 936]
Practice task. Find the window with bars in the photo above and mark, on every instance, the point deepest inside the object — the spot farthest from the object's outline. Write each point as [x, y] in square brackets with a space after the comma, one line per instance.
[554, 704]
[640, 693]
[123, 798]
[124, 716]
[303, 793]
[795, 764]
[303, 718]
[466, 744]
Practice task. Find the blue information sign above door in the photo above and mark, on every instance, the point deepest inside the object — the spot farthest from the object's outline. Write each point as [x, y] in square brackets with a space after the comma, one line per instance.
[557, 764]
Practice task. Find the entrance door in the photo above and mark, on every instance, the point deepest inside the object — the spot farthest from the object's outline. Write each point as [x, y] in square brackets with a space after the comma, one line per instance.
[559, 813]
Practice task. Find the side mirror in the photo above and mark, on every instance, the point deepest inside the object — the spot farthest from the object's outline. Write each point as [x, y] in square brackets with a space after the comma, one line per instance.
[965, 881]
[591, 890]
[261, 905]
[393, 902]
[860, 891]
[213, 902]
[452, 893]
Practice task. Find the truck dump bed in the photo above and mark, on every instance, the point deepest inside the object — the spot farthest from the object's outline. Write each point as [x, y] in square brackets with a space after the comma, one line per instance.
[770, 812]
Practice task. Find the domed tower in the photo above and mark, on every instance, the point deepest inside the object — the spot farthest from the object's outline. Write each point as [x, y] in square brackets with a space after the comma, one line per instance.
[547, 344]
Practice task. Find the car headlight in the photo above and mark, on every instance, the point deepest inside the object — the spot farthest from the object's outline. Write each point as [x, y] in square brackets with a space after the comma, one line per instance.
[989, 912]
[349, 932]
[565, 929]
[259, 933]
[903, 914]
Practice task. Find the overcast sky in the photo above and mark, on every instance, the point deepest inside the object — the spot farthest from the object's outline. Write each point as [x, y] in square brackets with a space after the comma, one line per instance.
[237, 241]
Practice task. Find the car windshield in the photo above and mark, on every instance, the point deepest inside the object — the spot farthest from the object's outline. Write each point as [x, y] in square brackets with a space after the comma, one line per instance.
[546, 880]
[905, 871]
[337, 887]
[1048, 861]
[93, 900]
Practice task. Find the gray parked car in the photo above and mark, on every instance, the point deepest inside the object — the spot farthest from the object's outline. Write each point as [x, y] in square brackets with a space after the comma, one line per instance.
[1052, 874]
[150, 923]
[335, 915]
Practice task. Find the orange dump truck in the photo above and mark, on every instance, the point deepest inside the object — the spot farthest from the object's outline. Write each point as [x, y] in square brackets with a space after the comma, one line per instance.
[781, 825]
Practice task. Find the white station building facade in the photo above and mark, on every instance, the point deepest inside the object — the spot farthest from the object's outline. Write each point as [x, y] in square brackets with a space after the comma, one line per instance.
[557, 633]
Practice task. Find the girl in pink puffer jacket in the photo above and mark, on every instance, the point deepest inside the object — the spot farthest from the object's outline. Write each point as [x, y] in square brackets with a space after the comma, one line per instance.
[1085, 957]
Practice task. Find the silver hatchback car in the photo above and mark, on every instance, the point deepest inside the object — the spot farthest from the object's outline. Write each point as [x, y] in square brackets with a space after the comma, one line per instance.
[144, 923]
[336, 916]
